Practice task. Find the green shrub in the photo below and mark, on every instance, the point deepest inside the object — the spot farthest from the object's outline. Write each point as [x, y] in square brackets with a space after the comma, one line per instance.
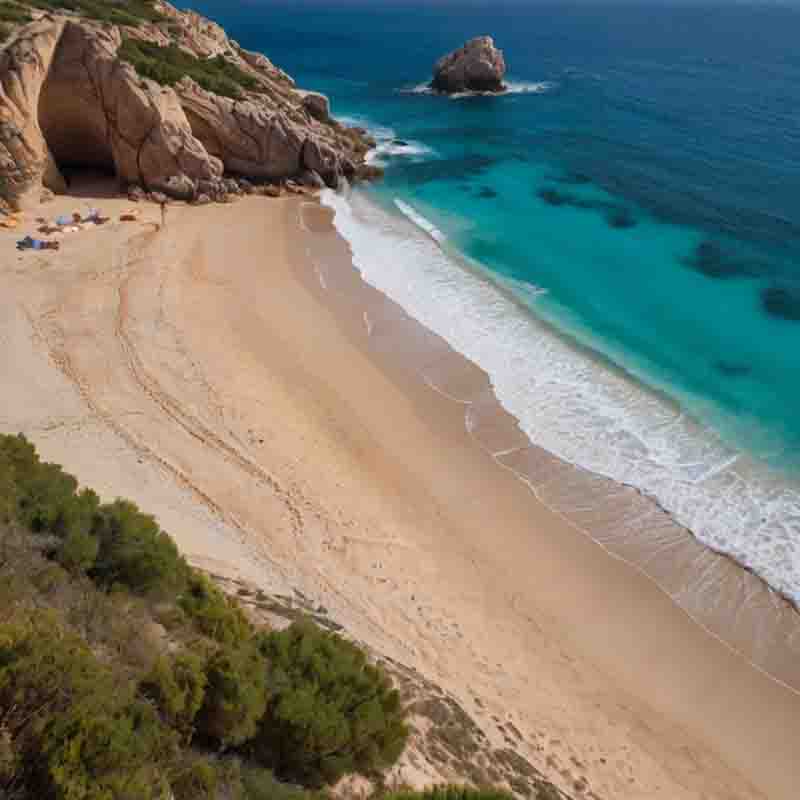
[76, 729]
[261, 784]
[167, 65]
[124, 12]
[42, 496]
[197, 780]
[8, 486]
[235, 696]
[213, 613]
[96, 751]
[135, 552]
[13, 13]
[44, 669]
[78, 551]
[329, 711]
[93, 706]
[177, 686]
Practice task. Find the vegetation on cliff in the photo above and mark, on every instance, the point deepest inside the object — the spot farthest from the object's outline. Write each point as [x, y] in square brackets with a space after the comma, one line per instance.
[167, 65]
[126, 673]
[124, 12]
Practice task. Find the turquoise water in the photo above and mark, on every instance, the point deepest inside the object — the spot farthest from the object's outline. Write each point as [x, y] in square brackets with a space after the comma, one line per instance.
[643, 172]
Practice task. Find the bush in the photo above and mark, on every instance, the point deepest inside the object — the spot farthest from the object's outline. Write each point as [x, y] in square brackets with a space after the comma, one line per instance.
[177, 686]
[167, 65]
[261, 784]
[43, 669]
[329, 711]
[197, 780]
[42, 496]
[99, 752]
[76, 730]
[213, 613]
[14, 14]
[8, 486]
[77, 553]
[125, 12]
[235, 696]
[92, 703]
[135, 552]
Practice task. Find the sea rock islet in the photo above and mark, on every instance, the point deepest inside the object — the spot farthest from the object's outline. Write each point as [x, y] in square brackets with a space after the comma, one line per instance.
[478, 66]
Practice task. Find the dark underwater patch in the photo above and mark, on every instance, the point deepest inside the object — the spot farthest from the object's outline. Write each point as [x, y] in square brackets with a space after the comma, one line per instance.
[712, 260]
[621, 219]
[555, 197]
[782, 302]
[487, 193]
[731, 369]
[575, 179]
[455, 169]
[616, 216]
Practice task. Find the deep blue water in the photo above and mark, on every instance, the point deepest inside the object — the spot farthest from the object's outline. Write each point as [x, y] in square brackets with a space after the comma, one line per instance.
[648, 180]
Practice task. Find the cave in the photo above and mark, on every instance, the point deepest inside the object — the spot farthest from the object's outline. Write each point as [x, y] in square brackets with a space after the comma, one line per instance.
[73, 124]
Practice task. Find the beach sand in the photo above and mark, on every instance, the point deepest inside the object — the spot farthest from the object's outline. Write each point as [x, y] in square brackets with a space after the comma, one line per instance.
[219, 373]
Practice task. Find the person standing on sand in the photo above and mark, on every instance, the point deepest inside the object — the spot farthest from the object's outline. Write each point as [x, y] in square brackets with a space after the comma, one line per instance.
[163, 204]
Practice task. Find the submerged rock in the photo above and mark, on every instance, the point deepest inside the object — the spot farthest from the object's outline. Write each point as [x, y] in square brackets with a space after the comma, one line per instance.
[782, 302]
[478, 66]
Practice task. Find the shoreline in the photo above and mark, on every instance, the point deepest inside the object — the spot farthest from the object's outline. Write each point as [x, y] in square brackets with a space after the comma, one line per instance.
[227, 365]
[738, 572]
[773, 604]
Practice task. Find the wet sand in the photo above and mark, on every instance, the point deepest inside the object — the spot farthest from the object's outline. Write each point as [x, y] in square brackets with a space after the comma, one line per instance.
[234, 376]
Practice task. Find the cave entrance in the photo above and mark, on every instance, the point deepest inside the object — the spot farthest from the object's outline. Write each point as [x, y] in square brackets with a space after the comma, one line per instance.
[74, 126]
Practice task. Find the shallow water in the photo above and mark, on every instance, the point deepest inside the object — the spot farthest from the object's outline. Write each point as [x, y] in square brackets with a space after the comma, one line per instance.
[634, 195]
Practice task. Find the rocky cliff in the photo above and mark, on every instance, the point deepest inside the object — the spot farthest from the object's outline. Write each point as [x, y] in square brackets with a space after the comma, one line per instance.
[168, 103]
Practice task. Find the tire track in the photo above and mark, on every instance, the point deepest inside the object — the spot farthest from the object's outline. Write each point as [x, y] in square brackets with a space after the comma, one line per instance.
[193, 426]
[54, 339]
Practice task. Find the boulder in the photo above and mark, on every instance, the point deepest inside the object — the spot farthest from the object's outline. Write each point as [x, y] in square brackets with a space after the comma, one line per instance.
[478, 66]
[312, 179]
[318, 106]
[368, 172]
[322, 159]
[247, 137]
[136, 194]
[181, 187]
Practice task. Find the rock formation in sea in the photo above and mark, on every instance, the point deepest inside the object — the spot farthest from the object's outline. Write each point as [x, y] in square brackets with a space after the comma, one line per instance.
[78, 92]
[478, 66]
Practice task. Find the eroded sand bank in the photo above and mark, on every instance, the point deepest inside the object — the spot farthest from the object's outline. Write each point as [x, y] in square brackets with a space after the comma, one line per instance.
[205, 372]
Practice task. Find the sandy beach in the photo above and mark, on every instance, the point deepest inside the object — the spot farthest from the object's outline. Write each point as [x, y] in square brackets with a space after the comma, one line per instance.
[233, 376]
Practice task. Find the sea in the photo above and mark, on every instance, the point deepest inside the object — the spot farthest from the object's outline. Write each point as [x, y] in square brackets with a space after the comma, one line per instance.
[615, 240]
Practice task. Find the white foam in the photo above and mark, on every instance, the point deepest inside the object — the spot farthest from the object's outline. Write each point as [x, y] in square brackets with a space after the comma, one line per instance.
[399, 148]
[388, 144]
[512, 87]
[421, 221]
[575, 406]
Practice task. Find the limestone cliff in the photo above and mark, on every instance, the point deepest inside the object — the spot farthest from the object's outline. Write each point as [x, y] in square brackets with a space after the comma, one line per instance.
[70, 95]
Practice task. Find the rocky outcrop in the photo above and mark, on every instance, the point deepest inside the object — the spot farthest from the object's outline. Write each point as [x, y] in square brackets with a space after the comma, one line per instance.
[25, 160]
[478, 66]
[68, 99]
